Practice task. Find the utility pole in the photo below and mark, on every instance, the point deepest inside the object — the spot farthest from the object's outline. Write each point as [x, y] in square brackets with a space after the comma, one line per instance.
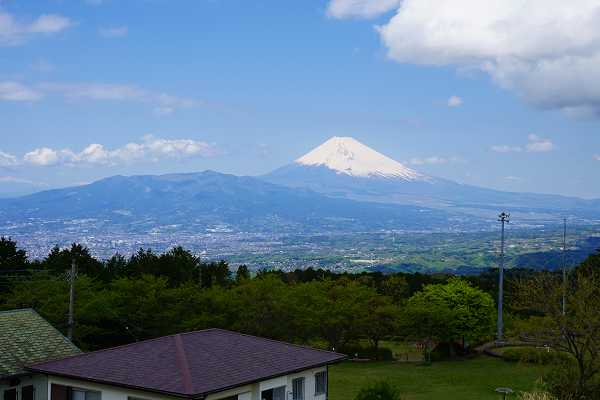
[71, 299]
[504, 218]
[564, 267]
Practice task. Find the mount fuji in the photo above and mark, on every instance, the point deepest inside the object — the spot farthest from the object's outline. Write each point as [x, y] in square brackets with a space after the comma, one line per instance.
[346, 168]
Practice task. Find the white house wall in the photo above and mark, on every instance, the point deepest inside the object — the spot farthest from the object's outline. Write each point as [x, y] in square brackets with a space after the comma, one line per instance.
[109, 392]
[39, 383]
[247, 392]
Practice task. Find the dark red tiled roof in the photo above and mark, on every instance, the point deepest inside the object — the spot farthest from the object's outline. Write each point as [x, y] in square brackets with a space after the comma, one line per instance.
[190, 364]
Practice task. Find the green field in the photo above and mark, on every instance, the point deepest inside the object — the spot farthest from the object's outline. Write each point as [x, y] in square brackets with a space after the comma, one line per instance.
[473, 379]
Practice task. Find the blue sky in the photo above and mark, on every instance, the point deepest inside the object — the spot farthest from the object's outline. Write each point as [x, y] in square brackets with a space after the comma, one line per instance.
[243, 87]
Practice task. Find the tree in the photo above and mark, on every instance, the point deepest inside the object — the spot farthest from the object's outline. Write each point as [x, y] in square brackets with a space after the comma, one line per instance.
[472, 309]
[242, 273]
[143, 262]
[262, 307]
[339, 308]
[396, 287]
[11, 258]
[426, 322]
[178, 266]
[215, 274]
[59, 260]
[381, 390]
[380, 319]
[576, 332]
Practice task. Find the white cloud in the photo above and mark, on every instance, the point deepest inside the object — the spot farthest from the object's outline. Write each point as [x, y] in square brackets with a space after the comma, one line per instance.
[7, 160]
[13, 32]
[360, 8]
[539, 145]
[454, 101]
[536, 144]
[114, 32]
[15, 91]
[548, 51]
[13, 179]
[150, 149]
[49, 23]
[434, 160]
[164, 103]
[43, 156]
[42, 66]
[512, 178]
[503, 148]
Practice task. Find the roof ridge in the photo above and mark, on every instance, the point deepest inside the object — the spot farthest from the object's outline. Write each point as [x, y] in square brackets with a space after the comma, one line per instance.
[83, 354]
[132, 344]
[182, 362]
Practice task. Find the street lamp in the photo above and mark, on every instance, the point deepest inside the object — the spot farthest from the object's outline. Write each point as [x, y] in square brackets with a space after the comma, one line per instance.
[504, 219]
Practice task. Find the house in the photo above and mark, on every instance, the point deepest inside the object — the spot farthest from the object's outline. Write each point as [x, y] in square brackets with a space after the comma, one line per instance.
[203, 365]
[27, 338]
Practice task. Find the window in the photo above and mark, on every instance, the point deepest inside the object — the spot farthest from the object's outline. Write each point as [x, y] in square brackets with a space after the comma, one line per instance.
[60, 392]
[298, 389]
[10, 394]
[277, 393]
[27, 392]
[321, 382]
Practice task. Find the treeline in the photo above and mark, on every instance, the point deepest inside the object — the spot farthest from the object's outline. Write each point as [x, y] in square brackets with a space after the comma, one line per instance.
[121, 299]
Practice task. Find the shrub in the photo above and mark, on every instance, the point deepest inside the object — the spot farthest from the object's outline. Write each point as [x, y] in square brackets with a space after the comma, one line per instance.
[381, 354]
[561, 381]
[382, 390]
[447, 350]
[533, 355]
[536, 396]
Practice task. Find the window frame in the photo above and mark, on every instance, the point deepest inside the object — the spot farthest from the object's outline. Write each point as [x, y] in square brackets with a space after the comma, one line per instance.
[322, 374]
[302, 381]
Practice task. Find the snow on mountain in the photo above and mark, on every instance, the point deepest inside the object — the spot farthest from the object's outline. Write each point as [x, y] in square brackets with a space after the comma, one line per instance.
[346, 155]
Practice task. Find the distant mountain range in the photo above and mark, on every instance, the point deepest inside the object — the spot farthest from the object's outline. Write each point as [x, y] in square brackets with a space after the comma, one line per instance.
[341, 185]
[342, 167]
[210, 198]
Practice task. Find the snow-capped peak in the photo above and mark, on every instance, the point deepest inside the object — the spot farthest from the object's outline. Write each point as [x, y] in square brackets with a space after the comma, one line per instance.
[346, 155]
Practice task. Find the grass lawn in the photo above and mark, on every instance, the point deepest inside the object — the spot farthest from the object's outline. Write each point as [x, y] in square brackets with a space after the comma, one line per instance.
[473, 379]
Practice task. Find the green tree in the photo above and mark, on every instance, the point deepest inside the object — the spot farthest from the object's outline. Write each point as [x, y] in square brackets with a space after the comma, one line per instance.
[262, 307]
[427, 323]
[380, 319]
[382, 390]
[242, 273]
[178, 266]
[145, 261]
[576, 332]
[396, 287]
[215, 273]
[59, 261]
[49, 296]
[339, 309]
[11, 257]
[472, 310]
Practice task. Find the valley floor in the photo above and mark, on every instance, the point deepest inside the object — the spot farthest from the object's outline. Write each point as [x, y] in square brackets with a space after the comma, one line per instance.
[473, 379]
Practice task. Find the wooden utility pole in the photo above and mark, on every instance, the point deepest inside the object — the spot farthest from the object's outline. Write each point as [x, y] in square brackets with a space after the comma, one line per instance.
[71, 323]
